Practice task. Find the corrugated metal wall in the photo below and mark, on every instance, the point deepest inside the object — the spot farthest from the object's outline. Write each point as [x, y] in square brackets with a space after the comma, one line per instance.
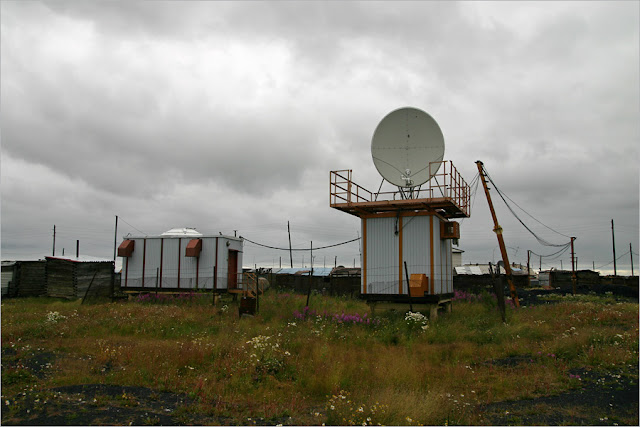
[169, 267]
[382, 253]
[416, 248]
[165, 258]
[208, 264]
[384, 268]
[151, 264]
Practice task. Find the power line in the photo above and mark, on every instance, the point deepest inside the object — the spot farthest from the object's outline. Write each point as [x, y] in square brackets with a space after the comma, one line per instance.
[555, 255]
[305, 249]
[538, 238]
[611, 262]
[121, 219]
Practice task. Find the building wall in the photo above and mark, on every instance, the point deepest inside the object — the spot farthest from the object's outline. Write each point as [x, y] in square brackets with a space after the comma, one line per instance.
[164, 260]
[8, 273]
[381, 256]
[71, 279]
[31, 278]
[457, 259]
[414, 239]
[94, 279]
[416, 247]
[60, 278]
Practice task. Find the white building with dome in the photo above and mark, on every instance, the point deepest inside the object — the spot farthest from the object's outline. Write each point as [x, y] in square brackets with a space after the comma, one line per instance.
[181, 259]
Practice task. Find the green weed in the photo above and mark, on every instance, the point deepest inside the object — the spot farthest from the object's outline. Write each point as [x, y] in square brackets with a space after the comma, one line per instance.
[396, 368]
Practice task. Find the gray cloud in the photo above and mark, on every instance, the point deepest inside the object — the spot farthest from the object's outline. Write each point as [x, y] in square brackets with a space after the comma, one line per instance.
[226, 115]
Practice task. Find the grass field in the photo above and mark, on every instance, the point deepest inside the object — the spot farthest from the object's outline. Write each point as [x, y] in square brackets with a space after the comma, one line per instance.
[331, 363]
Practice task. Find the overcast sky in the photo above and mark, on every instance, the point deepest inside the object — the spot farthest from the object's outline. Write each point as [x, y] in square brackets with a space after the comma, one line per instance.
[229, 116]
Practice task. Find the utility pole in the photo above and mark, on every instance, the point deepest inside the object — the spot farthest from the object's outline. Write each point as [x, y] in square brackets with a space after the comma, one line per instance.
[77, 248]
[613, 240]
[290, 251]
[573, 269]
[115, 239]
[498, 230]
[310, 276]
[631, 253]
[528, 270]
[54, 241]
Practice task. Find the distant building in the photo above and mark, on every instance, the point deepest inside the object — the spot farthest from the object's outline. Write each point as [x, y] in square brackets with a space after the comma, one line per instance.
[24, 278]
[456, 257]
[480, 269]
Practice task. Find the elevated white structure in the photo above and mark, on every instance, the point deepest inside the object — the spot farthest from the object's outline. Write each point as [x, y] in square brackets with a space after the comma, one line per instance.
[406, 234]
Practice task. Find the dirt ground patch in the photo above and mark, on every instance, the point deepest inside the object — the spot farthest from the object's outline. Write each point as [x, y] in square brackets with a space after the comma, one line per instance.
[605, 398]
[97, 404]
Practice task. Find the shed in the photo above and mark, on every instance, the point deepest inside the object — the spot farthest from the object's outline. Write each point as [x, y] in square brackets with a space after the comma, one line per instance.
[456, 257]
[180, 259]
[24, 278]
[71, 277]
[8, 273]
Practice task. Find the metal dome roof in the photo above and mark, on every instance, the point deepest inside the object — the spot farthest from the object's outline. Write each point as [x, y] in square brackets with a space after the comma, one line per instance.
[191, 232]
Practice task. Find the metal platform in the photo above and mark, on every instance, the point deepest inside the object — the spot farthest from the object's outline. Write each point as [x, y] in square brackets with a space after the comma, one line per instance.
[446, 193]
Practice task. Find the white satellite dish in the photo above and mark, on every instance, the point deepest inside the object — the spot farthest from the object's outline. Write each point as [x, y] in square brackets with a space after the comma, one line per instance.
[404, 144]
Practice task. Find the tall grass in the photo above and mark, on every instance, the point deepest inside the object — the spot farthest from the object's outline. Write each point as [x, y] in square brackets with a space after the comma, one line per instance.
[331, 363]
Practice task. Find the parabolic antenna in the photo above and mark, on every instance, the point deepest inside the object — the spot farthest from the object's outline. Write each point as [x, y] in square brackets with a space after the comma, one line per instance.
[405, 142]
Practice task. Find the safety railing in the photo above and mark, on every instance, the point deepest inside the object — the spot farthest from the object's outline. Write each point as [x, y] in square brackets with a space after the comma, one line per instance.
[446, 183]
[343, 190]
[248, 284]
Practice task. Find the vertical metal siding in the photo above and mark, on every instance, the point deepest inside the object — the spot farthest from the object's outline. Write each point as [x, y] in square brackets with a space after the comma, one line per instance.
[188, 265]
[415, 241]
[170, 263]
[437, 256]
[223, 263]
[363, 257]
[207, 263]
[383, 260]
[382, 256]
[131, 269]
[449, 265]
[152, 263]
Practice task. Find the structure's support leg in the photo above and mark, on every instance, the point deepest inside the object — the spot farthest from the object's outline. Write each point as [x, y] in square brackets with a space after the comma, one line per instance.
[433, 312]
